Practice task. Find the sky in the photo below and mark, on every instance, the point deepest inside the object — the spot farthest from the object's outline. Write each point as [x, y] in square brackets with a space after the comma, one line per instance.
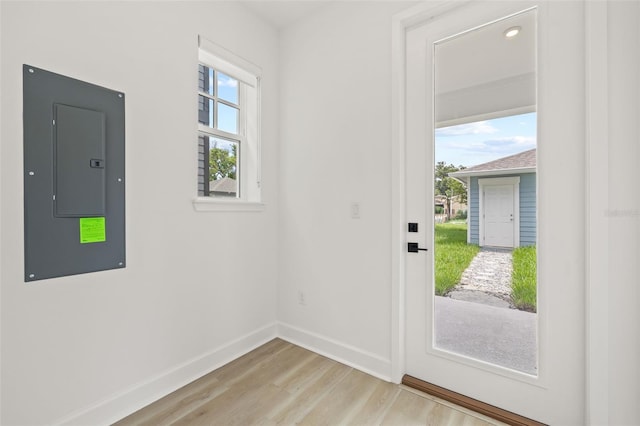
[476, 143]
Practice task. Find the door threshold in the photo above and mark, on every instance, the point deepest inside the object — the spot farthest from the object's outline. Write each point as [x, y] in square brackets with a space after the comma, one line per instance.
[469, 403]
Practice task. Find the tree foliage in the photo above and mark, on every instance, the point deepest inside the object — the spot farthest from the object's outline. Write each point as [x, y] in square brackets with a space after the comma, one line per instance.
[222, 163]
[449, 187]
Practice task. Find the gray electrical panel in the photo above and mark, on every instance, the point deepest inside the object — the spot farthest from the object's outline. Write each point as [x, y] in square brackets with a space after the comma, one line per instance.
[74, 182]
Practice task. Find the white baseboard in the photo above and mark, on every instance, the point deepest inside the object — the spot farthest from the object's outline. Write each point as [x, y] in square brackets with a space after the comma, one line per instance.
[130, 400]
[367, 362]
[142, 394]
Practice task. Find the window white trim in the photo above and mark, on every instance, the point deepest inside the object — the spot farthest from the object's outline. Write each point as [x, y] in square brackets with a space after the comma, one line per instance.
[228, 63]
[248, 74]
[220, 133]
[212, 204]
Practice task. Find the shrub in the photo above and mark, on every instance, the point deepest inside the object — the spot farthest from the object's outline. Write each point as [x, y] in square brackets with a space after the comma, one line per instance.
[461, 215]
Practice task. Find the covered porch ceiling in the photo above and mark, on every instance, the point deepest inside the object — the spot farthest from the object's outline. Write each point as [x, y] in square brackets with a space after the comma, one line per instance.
[482, 74]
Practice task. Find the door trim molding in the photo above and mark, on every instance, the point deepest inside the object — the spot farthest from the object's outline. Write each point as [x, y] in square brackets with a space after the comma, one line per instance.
[469, 403]
[400, 23]
[597, 243]
[515, 183]
[596, 355]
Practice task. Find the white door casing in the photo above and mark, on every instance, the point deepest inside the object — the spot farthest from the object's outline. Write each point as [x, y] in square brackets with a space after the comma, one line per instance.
[499, 211]
[556, 395]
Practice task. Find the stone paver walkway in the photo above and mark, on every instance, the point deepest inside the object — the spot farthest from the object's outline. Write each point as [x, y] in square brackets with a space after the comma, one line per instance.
[487, 279]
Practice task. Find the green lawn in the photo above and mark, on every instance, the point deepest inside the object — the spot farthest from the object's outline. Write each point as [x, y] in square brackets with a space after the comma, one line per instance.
[452, 254]
[523, 280]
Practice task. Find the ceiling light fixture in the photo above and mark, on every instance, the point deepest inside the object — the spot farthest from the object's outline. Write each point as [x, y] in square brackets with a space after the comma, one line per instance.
[512, 32]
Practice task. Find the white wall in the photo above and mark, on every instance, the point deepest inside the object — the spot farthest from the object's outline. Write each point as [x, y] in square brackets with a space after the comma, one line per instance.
[335, 150]
[623, 212]
[199, 288]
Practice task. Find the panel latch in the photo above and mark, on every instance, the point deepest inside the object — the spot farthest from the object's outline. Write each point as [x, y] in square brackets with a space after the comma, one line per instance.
[95, 163]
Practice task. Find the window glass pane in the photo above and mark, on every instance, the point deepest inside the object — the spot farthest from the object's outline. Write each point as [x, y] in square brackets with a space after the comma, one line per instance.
[205, 111]
[223, 167]
[227, 88]
[227, 118]
[205, 79]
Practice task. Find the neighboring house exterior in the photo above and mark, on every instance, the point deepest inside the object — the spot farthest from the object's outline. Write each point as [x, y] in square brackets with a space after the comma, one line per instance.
[502, 201]
[456, 204]
[225, 187]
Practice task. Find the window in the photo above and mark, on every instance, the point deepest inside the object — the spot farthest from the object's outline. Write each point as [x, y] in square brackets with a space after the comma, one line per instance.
[228, 130]
[218, 133]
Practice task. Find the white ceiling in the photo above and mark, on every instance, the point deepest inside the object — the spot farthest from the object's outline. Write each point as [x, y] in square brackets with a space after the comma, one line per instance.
[282, 13]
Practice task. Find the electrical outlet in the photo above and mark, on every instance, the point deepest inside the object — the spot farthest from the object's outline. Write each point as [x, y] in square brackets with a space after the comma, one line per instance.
[301, 298]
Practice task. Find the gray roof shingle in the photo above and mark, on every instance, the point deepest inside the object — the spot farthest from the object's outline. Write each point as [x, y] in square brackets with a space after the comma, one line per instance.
[226, 184]
[522, 160]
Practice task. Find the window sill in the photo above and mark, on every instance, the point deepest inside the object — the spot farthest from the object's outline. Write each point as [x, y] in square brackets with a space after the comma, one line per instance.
[204, 204]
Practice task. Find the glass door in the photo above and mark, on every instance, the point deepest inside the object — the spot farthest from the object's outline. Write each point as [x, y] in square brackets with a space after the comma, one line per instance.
[494, 308]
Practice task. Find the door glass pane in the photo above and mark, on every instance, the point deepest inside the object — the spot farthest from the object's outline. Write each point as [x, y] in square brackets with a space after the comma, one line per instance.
[485, 202]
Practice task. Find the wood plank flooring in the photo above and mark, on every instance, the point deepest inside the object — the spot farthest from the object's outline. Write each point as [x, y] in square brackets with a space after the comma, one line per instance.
[283, 384]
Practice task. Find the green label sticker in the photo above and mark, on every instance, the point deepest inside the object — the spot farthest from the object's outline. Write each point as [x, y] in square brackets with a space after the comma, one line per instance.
[92, 230]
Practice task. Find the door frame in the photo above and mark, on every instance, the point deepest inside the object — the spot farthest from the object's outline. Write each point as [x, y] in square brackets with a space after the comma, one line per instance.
[400, 23]
[514, 182]
[596, 225]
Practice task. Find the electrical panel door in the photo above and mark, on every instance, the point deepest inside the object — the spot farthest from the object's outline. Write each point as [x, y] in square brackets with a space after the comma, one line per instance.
[74, 176]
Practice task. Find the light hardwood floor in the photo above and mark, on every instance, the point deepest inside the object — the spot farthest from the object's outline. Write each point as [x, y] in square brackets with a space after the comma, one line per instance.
[282, 384]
